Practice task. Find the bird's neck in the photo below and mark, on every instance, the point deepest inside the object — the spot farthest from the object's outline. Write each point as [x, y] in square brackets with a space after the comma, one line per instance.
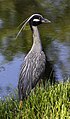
[36, 39]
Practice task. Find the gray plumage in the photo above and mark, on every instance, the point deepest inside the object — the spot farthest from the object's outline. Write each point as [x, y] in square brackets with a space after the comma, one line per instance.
[34, 64]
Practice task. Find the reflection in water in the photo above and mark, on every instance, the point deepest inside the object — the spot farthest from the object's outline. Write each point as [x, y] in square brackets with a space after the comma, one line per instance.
[9, 76]
[60, 54]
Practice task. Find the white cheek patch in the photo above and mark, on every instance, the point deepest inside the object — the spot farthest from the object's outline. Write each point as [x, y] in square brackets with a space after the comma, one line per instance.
[36, 20]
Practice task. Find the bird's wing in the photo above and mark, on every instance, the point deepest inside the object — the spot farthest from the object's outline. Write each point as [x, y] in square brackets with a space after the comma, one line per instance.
[23, 79]
[39, 67]
[32, 68]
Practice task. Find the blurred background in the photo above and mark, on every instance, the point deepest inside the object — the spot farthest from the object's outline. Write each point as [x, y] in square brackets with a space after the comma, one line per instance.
[55, 38]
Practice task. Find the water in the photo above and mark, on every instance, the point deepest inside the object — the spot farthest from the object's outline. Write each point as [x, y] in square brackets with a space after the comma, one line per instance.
[9, 75]
[55, 38]
[60, 54]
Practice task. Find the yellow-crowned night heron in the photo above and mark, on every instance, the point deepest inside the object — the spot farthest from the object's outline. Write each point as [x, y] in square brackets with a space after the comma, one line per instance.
[34, 62]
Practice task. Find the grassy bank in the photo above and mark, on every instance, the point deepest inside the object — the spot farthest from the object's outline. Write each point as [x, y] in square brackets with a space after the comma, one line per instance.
[51, 102]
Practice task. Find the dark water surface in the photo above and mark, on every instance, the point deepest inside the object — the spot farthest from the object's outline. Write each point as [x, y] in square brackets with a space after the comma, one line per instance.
[55, 38]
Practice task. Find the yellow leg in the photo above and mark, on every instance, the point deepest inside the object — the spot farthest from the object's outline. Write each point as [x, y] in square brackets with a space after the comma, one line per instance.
[20, 104]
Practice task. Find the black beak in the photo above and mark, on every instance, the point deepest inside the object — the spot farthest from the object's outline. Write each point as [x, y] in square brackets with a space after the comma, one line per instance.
[45, 20]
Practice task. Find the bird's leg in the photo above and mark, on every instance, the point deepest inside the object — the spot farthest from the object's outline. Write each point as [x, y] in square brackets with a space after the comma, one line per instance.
[20, 104]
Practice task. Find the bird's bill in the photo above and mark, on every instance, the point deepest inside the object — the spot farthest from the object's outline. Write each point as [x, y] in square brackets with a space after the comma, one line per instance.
[45, 20]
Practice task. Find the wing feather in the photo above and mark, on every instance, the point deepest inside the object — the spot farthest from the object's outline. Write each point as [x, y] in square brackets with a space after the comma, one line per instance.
[31, 71]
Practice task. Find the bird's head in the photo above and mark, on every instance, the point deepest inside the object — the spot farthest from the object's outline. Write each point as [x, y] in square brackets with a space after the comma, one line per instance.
[33, 20]
[37, 19]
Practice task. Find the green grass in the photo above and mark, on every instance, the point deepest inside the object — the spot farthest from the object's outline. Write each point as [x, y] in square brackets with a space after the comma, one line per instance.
[51, 102]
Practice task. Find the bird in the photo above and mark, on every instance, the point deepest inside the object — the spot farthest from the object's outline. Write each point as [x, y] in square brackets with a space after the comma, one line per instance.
[34, 62]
